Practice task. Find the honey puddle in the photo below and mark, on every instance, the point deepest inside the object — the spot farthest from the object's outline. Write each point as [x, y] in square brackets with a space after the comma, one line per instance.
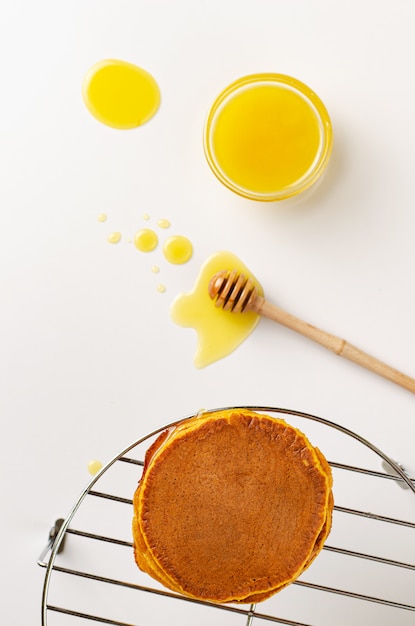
[218, 332]
[120, 94]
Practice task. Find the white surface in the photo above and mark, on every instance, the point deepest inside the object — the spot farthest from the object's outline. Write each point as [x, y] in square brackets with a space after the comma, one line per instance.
[90, 360]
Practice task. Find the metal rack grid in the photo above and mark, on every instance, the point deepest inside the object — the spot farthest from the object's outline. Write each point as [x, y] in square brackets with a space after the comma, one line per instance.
[365, 574]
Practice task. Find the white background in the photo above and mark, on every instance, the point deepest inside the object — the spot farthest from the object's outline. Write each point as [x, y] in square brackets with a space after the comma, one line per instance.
[90, 360]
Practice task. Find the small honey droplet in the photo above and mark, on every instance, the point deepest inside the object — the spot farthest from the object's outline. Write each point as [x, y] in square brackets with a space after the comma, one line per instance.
[94, 467]
[146, 217]
[145, 240]
[177, 249]
[155, 269]
[163, 223]
[161, 288]
[114, 237]
[102, 217]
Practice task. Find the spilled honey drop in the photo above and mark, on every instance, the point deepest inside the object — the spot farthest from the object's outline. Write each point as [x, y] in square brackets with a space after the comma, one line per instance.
[94, 467]
[114, 237]
[146, 217]
[120, 94]
[102, 217]
[177, 249]
[218, 332]
[155, 269]
[161, 288]
[163, 223]
[145, 240]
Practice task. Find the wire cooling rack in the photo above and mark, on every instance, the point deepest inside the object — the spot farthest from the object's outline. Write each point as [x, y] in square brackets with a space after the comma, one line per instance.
[364, 575]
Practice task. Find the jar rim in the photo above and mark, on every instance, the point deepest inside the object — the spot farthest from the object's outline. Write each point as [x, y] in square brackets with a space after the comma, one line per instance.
[315, 103]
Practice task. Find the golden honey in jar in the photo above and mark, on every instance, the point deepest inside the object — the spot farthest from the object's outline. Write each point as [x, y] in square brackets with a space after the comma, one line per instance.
[268, 137]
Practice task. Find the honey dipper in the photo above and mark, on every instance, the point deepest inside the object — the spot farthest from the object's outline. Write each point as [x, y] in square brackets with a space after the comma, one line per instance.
[234, 292]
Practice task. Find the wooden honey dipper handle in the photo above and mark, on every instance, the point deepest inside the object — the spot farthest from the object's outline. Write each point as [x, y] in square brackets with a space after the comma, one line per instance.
[336, 344]
[233, 292]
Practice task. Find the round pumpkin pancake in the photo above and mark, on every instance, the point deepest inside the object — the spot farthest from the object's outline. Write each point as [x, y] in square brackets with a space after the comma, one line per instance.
[231, 507]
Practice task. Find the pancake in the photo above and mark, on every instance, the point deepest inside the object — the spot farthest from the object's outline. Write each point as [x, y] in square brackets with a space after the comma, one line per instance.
[232, 506]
